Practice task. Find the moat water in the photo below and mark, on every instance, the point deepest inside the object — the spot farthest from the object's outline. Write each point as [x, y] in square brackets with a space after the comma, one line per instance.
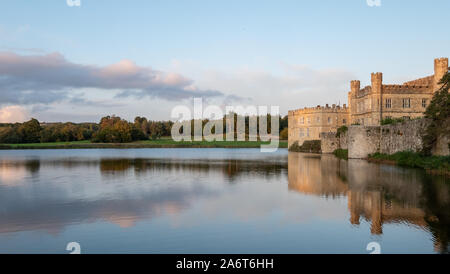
[216, 201]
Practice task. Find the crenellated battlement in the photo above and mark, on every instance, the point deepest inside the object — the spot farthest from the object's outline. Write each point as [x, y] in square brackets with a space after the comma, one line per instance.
[317, 109]
[425, 81]
[405, 89]
[377, 76]
[363, 92]
[441, 62]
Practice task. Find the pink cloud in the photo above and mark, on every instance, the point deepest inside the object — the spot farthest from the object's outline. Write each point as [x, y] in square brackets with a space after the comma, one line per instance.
[13, 114]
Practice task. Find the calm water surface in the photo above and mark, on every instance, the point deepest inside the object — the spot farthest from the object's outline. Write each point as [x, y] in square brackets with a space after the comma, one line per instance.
[216, 201]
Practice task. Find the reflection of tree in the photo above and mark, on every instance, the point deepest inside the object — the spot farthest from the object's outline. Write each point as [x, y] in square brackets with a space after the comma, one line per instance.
[436, 201]
[33, 166]
[23, 212]
[230, 168]
[378, 193]
[114, 166]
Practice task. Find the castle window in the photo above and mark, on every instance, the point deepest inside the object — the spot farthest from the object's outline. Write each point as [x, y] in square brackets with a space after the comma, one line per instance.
[318, 119]
[424, 103]
[344, 121]
[406, 103]
[309, 120]
[307, 132]
[329, 120]
[388, 103]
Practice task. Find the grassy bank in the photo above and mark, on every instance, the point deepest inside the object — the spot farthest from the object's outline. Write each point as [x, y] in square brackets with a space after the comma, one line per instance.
[160, 143]
[434, 164]
[341, 153]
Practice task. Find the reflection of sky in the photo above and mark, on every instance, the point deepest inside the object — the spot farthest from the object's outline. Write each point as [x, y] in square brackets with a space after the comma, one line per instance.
[173, 202]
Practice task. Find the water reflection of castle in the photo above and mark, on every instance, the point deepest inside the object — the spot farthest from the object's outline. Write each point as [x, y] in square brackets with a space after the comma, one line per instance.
[374, 193]
[378, 194]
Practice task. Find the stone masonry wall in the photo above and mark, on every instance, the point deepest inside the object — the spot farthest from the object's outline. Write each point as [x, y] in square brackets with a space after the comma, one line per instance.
[403, 136]
[389, 139]
[362, 141]
[330, 142]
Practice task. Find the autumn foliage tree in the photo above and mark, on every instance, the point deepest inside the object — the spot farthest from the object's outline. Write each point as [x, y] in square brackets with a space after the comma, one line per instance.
[113, 129]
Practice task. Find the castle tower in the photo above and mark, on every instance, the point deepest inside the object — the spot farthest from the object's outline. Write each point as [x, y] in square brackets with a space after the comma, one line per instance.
[376, 98]
[355, 86]
[377, 82]
[440, 69]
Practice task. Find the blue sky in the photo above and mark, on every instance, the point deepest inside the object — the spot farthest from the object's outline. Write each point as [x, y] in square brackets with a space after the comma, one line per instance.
[288, 53]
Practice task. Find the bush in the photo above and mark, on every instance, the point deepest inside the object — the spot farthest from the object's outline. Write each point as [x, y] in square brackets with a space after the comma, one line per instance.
[310, 146]
[417, 160]
[341, 130]
[391, 121]
[295, 147]
[341, 153]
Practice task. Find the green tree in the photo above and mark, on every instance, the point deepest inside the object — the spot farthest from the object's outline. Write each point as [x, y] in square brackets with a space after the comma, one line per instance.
[284, 134]
[283, 123]
[9, 135]
[30, 132]
[438, 111]
[113, 129]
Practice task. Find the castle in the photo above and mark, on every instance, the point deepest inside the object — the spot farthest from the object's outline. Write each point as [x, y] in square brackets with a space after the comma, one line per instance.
[368, 106]
[308, 123]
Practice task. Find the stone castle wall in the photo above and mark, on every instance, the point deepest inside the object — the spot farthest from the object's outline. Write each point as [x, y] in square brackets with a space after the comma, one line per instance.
[390, 139]
[330, 141]
[362, 141]
[307, 124]
[403, 136]
[367, 107]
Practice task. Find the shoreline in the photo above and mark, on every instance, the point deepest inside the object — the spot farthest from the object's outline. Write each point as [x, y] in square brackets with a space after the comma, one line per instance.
[431, 171]
[436, 165]
[145, 144]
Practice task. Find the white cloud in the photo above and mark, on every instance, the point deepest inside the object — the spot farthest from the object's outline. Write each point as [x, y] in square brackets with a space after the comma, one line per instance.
[295, 87]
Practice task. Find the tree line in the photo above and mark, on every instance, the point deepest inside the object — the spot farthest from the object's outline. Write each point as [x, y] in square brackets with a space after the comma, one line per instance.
[110, 129]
